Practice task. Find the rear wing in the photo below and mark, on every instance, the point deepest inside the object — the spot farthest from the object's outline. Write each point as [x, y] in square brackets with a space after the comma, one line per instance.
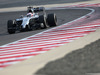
[37, 9]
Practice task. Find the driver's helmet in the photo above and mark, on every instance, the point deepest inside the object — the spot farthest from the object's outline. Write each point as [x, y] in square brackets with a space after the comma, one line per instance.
[29, 15]
[30, 10]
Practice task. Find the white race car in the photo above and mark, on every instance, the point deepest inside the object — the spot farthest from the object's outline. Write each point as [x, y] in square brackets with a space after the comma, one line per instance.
[32, 21]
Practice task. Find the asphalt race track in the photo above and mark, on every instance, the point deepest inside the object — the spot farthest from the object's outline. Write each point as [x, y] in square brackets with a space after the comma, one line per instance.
[76, 62]
[64, 16]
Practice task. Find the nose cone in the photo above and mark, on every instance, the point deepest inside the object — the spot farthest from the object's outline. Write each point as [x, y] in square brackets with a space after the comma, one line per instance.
[25, 22]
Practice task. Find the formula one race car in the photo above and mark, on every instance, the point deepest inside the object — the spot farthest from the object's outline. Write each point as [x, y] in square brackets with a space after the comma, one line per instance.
[32, 21]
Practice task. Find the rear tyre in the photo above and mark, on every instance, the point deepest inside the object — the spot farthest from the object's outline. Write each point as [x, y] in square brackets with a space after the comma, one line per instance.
[52, 20]
[43, 21]
[11, 27]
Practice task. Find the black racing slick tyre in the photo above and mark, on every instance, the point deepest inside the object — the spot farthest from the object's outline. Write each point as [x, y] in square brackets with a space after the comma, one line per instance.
[11, 26]
[42, 19]
[52, 20]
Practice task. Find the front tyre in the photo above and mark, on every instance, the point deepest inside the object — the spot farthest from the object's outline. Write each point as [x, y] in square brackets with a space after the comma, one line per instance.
[11, 27]
[52, 20]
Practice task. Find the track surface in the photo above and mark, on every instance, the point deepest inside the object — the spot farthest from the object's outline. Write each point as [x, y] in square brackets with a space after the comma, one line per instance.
[6, 38]
[64, 16]
[14, 3]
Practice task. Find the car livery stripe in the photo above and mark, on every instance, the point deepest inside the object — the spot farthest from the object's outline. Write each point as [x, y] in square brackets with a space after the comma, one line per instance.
[20, 50]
